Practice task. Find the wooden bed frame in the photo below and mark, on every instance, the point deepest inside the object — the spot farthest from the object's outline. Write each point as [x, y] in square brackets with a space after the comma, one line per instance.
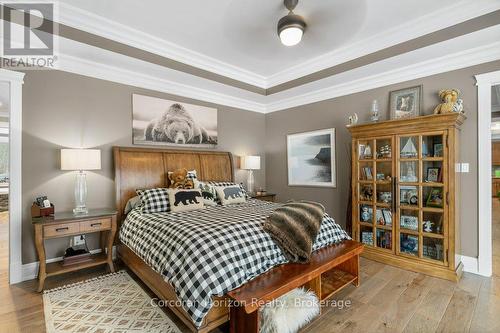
[137, 168]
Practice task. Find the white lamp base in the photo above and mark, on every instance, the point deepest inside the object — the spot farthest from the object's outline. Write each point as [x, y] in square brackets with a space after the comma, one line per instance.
[80, 194]
[250, 182]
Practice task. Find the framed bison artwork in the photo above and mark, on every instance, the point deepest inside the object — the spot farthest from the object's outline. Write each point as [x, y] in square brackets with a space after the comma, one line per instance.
[158, 121]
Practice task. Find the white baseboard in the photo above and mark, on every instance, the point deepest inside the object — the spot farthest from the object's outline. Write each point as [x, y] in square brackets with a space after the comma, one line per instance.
[470, 264]
[30, 271]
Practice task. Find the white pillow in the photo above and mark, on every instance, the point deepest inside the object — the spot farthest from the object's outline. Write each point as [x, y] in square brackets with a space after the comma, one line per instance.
[132, 203]
[208, 192]
[230, 194]
[185, 199]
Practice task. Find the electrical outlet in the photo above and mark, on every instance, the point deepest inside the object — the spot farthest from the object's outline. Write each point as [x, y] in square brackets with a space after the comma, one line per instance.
[79, 240]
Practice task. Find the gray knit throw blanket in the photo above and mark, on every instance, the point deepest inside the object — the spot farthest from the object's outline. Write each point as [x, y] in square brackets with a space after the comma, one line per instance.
[294, 228]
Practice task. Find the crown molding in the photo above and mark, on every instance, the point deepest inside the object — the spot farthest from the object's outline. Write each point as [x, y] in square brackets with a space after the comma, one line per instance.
[95, 24]
[78, 65]
[491, 78]
[464, 51]
[11, 75]
[417, 70]
[432, 22]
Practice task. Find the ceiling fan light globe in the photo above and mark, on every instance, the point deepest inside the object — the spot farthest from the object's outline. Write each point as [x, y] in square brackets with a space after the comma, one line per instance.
[291, 36]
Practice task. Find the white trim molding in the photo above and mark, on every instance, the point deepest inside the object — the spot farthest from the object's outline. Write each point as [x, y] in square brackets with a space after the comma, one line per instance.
[100, 26]
[464, 51]
[376, 78]
[470, 264]
[15, 80]
[484, 83]
[459, 12]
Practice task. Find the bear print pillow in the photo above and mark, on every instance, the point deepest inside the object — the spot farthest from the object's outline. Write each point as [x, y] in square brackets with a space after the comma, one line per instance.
[185, 199]
[208, 193]
[230, 194]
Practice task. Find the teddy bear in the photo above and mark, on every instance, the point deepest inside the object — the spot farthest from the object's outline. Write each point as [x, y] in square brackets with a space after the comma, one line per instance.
[178, 179]
[449, 99]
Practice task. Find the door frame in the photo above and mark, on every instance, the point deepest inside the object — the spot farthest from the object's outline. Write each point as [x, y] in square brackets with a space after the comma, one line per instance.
[484, 82]
[15, 80]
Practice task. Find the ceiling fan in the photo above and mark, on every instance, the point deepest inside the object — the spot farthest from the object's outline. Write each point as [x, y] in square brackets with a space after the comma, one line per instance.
[291, 27]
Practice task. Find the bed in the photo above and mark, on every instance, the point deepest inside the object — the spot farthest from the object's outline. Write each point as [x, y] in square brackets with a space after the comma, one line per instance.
[220, 231]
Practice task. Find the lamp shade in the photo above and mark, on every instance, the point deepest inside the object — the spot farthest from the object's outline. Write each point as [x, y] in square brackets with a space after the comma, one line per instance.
[80, 159]
[250, 162]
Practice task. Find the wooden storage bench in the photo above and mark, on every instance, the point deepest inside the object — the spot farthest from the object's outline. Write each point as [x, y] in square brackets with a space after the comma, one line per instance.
[331, 269]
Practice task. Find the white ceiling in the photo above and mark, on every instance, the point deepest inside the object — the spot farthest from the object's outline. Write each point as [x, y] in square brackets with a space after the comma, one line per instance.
[242, 33]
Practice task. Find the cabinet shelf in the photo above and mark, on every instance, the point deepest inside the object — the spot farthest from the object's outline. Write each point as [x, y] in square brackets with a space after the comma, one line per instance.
[432, 235]
[432, 159]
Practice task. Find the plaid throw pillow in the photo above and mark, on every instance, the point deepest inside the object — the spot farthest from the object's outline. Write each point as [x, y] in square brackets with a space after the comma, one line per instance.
[154, 200]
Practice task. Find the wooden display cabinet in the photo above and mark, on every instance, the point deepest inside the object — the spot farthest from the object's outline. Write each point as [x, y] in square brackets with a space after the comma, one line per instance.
[405, 192]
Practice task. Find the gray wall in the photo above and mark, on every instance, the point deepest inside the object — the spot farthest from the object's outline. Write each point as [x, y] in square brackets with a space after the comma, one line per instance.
[67, 110]
[334, 113]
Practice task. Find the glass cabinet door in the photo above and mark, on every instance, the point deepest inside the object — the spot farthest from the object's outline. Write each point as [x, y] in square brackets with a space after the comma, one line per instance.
[375, 171]
[421, 196]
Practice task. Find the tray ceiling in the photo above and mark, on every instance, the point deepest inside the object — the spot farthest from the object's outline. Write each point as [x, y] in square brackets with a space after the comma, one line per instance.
[242, 33]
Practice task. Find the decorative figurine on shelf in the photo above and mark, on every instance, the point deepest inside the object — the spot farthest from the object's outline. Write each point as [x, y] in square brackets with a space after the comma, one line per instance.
[385, 197]
[449, 100]
[459, 106]
[384, 151]
[353, 120]
[409, 150]
[365, 215]
[367, 193]
[374, 117]
[428, 226]
[425, 151]
[368, 152]
[411, 174]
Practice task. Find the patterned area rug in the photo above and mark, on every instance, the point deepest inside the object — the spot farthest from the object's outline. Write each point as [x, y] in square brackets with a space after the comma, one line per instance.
[112, 303]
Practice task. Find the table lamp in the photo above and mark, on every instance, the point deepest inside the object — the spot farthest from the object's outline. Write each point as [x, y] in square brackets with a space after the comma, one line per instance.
[80, 160]
[250, 163]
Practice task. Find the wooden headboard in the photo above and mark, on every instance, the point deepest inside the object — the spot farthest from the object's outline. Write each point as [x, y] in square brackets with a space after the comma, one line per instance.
[137, 168]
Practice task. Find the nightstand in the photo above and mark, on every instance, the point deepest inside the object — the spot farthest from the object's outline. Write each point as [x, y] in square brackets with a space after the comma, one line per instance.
[264, 197]
[67, 224]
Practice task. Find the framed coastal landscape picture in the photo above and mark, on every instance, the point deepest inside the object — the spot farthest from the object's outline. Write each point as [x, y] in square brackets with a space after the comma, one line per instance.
[311, 158]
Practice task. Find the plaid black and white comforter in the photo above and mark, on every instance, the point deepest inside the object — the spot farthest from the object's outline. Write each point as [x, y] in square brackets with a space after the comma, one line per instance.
[211, 251]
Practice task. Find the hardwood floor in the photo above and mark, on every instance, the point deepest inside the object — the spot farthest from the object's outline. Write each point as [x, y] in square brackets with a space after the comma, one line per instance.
[388, 300]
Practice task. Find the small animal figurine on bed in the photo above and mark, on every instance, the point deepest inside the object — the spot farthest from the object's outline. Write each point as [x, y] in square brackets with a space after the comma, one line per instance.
[449, 102]
[178, 179]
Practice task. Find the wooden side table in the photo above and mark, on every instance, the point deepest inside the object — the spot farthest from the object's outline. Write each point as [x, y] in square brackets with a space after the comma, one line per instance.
[67, 224]
[264, 197]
